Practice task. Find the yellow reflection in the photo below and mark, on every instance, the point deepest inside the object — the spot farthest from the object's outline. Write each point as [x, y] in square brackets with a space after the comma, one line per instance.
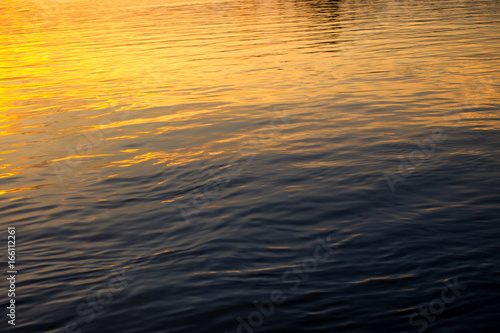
[71, 66]
[18, 198]
[77, 157]
[8, 174]
[18, 189]
[123, 137]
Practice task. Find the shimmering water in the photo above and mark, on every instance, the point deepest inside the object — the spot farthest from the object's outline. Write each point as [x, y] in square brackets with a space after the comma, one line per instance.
[175, 166]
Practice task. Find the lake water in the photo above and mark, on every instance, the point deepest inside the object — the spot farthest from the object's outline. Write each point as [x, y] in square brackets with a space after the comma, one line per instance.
[251, 165]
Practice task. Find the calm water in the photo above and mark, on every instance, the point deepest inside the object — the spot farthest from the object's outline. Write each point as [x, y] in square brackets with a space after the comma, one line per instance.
[167, 164]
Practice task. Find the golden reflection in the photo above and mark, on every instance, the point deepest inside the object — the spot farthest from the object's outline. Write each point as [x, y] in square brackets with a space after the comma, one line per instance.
[8, 174]
[77, 157]
[167, 159]
[172, 200]
[18, 189]
[17, 198]
[123, 137]
[160, 119]
[70, 69]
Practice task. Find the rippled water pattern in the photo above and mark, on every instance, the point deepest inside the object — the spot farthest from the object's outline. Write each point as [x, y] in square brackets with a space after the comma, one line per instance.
[203, 150]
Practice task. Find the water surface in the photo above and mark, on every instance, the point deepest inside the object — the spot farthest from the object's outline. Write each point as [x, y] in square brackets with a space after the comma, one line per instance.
[203, 149]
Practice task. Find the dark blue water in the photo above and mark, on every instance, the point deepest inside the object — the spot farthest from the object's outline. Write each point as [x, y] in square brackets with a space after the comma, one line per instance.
[251, 166]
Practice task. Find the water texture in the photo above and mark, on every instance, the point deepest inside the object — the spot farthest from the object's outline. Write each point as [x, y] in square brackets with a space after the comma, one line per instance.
[251, 165]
